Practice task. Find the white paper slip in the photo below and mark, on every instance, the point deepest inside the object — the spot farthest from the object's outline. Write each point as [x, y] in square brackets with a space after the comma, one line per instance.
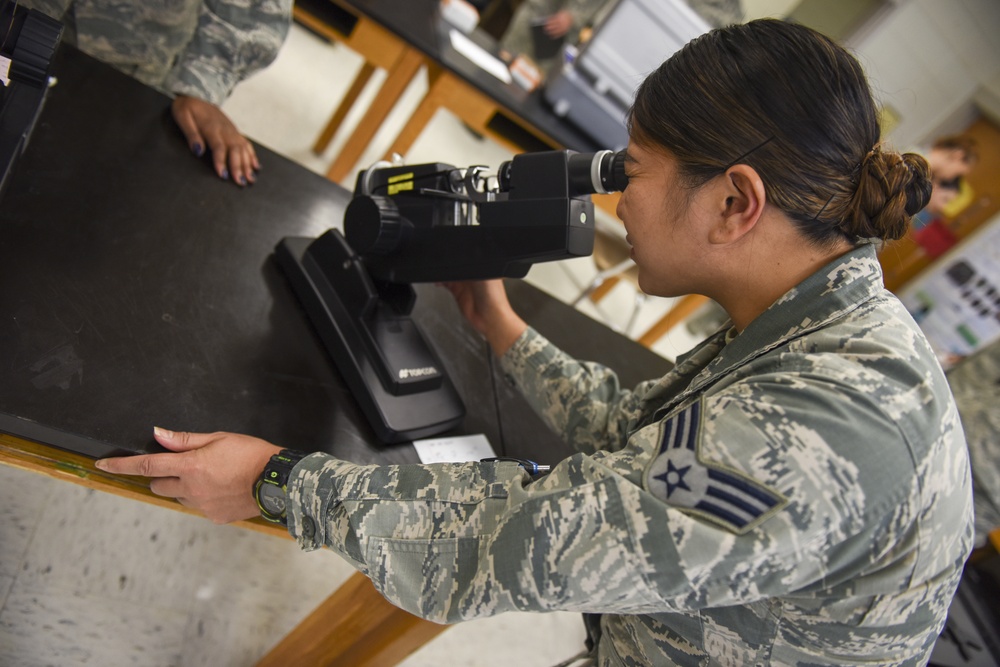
[5, 71]
[480, 56]
[454, 450]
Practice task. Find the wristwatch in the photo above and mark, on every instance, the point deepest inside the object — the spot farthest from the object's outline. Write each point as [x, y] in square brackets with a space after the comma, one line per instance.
[271, 489]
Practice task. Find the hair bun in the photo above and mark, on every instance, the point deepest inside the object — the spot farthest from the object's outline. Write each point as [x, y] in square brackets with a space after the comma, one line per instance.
[891, 188]
[918, 191]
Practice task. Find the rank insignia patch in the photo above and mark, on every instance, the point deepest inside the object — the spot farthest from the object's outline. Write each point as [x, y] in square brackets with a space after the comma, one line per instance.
[713, 492]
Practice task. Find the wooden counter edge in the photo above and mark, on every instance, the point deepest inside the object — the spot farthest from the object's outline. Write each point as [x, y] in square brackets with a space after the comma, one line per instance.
[355, 626]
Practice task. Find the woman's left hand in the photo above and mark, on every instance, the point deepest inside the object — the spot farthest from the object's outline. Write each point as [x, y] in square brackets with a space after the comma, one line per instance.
[214, 473]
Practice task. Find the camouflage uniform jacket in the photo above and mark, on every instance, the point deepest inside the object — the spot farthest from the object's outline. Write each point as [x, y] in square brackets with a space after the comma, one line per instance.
[975, 382]
[517, 37]
[796, 494]
[201, 48]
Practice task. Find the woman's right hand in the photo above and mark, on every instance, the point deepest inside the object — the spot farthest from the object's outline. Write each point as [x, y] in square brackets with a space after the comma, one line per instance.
[484, 304]
[206, 127]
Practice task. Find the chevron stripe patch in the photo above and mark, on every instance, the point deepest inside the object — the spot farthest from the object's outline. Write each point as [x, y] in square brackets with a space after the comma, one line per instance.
[716, 493]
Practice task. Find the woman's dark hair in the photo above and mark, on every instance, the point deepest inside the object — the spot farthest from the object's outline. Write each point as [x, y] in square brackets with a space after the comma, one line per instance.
[796, 107]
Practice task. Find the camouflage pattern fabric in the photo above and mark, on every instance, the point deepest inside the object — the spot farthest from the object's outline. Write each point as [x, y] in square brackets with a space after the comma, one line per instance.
[517, 38]
[976, 384]
[201, 48]
[718, 13]
[819, 513]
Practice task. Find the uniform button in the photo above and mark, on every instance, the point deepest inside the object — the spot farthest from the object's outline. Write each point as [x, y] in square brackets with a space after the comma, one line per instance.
[308, 527]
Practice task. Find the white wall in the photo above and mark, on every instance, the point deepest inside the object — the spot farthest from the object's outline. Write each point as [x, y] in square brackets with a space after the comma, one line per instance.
[928, 58]
[759, 9]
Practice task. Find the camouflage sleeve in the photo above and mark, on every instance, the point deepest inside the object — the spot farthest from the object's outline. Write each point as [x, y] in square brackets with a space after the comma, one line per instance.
[718, 13]
[451, 542]
[758, 490]
[233, 40]
[579, 400]
[517, 37]
[583, 12]
[976, 384]
[52, 8]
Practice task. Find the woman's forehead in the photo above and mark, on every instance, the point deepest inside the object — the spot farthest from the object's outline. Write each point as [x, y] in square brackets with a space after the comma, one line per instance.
[644, 153]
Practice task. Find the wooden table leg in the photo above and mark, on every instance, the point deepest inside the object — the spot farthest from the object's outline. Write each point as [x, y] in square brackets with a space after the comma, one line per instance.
[602, 290]
[360, 81]
[684, 307]
[446, 91]
[437, 80]
[354, 627]
[400, 76]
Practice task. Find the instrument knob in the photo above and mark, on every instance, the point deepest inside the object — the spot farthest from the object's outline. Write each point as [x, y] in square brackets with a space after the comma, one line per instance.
[372, 225]
[33, 46]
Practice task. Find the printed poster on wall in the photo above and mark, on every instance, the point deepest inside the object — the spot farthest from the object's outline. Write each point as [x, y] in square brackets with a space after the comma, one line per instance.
[957, 301]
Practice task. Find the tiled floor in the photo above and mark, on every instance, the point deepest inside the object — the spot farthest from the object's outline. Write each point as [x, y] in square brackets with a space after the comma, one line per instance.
[88, 578]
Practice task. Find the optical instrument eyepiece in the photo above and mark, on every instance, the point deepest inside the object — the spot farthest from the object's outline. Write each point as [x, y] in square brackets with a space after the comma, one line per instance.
[597, 173]
[587, 173]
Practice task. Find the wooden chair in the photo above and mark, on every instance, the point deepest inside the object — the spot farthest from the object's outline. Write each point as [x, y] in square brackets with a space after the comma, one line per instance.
[682, 309]
[612, 259]
[380, 49]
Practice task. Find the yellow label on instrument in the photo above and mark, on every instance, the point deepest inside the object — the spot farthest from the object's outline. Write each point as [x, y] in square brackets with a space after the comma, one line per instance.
[400, 182]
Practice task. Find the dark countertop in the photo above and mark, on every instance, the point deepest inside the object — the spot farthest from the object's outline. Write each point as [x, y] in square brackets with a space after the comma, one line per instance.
[138, 289]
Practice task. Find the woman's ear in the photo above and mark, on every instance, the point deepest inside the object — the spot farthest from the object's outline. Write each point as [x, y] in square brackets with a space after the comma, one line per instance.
[741, 200]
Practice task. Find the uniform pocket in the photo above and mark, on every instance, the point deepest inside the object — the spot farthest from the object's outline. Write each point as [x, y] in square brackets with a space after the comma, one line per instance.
[424, 577]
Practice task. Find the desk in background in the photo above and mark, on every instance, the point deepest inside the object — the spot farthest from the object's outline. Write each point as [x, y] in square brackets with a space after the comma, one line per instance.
[138, 289]
[402, 37]
[506, 113]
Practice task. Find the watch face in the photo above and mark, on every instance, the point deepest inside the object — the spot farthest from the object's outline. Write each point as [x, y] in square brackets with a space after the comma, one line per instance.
[272, 499]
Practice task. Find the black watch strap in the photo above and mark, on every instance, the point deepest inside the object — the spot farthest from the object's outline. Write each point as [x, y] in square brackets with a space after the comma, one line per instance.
[273, 482]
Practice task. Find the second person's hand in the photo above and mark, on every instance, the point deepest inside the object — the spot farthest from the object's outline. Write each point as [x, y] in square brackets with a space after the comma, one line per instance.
[206, 127]
[558, 24]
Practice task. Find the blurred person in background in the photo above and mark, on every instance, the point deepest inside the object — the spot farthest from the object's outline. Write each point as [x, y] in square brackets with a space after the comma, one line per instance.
[194, 50]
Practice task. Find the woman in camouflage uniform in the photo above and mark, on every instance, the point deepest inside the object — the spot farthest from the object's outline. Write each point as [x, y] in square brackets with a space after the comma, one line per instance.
[795, 491]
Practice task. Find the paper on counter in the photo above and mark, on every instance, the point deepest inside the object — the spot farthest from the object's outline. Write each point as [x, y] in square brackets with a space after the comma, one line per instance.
[479, 56]
[5, 70]
[460, 14]
[454, 450]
